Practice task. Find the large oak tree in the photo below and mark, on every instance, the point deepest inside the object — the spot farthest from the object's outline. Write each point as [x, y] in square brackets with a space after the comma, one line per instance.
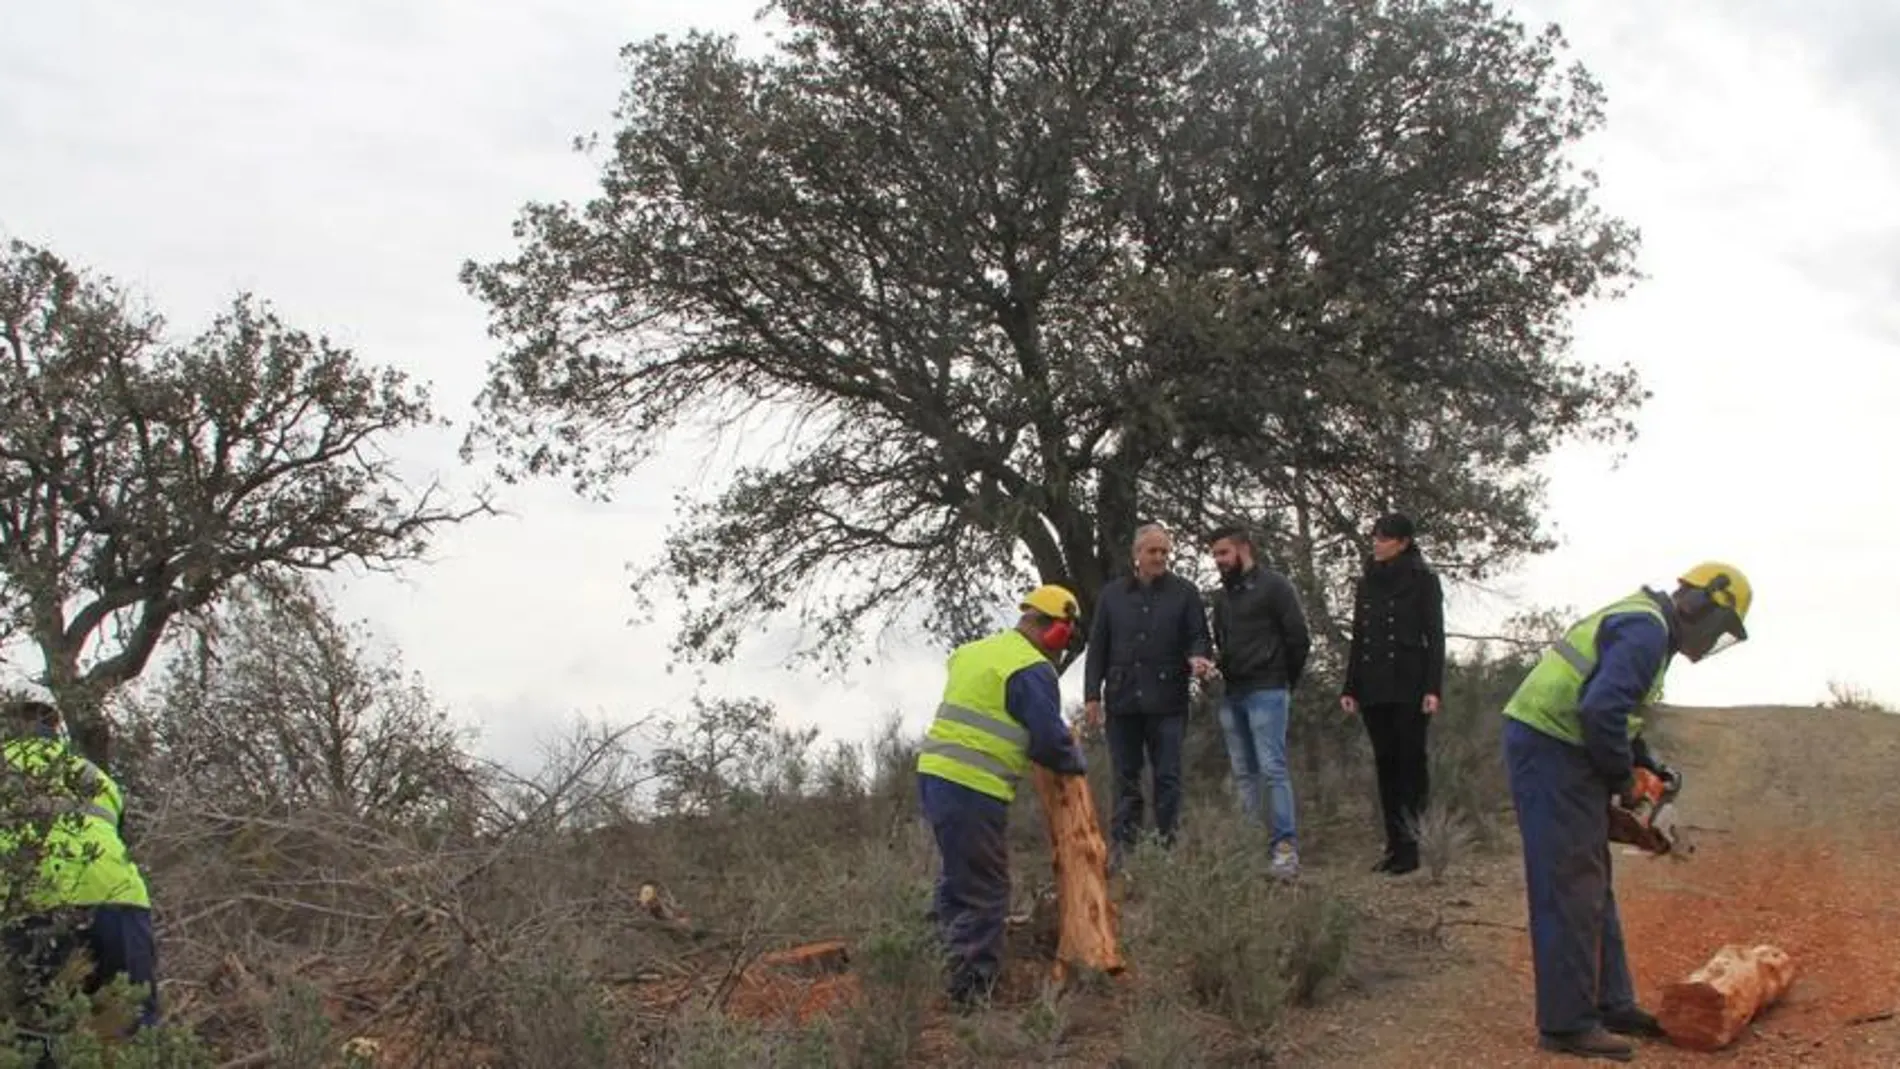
[141, 475]
[1011, 276]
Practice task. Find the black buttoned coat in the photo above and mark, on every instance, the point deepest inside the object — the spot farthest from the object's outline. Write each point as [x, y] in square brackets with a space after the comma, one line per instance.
[1398, 633]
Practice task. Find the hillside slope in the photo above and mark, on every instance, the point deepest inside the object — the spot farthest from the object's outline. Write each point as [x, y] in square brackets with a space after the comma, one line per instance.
[1795, 815]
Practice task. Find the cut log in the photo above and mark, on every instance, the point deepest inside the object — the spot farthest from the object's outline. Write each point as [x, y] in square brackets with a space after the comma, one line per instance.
[809, 959]
[1086, 937]
[1710, 1008]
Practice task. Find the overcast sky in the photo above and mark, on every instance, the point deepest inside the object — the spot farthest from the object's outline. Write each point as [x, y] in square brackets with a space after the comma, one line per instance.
[342, 159]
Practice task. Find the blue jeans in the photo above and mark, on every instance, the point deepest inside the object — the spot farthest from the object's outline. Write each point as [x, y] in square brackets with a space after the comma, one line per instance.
[1563, 814]
[1255, 725]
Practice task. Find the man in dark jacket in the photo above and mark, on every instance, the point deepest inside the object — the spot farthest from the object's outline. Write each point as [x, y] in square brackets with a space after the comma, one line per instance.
[1395, 674]
[1260, 631]
[1149, 635]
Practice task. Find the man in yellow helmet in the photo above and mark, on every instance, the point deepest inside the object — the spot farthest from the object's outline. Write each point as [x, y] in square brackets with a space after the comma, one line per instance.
[81, 889]
[1001, 709]
[1571, 743]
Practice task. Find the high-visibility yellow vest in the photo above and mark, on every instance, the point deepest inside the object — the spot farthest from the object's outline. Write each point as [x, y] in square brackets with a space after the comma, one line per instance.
[1548, 698]
[974, 741]
[73, 810]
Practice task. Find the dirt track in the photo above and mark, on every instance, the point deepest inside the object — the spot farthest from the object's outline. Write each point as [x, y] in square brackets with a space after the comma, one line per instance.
[1796, 814]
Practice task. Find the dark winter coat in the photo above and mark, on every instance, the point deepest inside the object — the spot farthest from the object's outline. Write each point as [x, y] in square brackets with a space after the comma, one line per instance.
[1261, 631]
[1398, 633]
[1139, 645]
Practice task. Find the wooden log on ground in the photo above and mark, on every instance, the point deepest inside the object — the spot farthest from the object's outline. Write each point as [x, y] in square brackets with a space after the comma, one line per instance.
[809, 959]
[1710, 1008]
[1086, 918]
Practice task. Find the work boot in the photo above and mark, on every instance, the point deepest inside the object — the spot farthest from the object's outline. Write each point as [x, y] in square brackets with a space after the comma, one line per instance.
[1632, 1021]
[971, 990]
[1404, 860]
[1590, 1043]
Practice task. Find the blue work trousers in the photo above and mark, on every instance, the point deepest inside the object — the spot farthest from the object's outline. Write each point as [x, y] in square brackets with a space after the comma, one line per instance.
[972, 900]
[117, 939]
[1563, 815]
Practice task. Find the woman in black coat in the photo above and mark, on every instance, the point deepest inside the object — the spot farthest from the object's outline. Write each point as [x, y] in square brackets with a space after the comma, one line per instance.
[1395, 676]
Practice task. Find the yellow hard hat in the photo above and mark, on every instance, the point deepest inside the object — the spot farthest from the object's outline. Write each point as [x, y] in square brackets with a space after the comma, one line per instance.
[1725, 584]
[1052, 601]
[1714, 622]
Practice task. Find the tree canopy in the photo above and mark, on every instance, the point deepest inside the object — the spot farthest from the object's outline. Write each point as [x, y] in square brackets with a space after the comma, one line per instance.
[1011, 276]
[277, 705]
[140, 476]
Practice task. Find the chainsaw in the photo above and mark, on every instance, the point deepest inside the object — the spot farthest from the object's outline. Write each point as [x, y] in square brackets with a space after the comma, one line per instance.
[1645, 816]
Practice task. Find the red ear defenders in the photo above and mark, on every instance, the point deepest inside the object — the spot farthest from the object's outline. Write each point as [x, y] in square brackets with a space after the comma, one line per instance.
[1057, 637]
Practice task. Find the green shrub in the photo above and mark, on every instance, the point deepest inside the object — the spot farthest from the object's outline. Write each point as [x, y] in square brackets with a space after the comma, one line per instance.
[1210, 917]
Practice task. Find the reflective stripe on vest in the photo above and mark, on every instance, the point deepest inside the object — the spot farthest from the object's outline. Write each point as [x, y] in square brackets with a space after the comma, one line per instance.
[1009, 731]
[973, 741]
[1011, 734]
[56, 808]
[1549, 696]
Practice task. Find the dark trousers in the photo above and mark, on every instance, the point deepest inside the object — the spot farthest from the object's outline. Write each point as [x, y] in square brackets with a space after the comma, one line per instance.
[118, 940]
[1563, 814]
[1156, 740]
[1398, 734]
[972, 899]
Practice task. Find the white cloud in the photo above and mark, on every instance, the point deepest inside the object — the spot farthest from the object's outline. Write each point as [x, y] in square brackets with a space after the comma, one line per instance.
[344, 159]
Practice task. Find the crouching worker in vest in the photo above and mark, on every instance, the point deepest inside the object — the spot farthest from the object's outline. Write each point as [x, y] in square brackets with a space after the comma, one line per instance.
[1571, 742]
[1001, 710]
[83, 893]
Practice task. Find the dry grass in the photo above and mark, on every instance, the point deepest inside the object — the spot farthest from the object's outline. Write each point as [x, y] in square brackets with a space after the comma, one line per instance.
[505, 928]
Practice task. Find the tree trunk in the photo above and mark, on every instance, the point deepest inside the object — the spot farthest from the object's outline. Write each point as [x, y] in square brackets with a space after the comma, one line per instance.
[1309, 576]
[81, 701]
[1710, 1008]
[1086, 934]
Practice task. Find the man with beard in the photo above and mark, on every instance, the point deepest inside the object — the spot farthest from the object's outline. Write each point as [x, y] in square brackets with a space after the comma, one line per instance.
[1261, 634]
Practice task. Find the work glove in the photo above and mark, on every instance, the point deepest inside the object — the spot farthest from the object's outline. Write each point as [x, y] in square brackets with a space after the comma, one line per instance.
[1640, 755]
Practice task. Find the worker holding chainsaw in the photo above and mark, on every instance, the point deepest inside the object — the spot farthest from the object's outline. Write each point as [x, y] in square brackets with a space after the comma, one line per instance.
[1574, 751]
[1001, 709]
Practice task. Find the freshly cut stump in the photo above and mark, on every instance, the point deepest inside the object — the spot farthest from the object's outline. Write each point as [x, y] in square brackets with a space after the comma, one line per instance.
[1710, 1008]
[1086, 937]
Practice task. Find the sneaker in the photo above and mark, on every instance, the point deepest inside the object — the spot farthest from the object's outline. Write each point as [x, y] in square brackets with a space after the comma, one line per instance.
[1591, 1043]
[1286, 861]
[1632, 1021]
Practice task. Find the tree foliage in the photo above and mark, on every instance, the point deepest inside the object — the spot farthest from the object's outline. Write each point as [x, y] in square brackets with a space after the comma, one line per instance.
[1013, 275]
[140, 476]
[276, 705]
[729, 748]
